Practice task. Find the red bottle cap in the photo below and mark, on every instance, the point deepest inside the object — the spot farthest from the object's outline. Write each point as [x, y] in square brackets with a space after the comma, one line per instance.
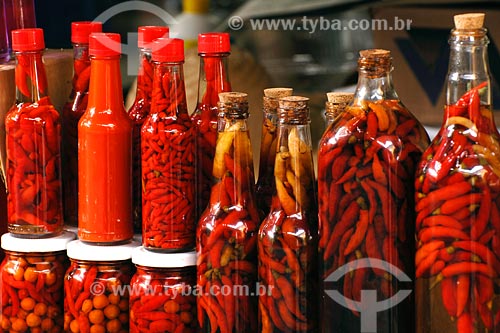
[168, 50]
[214, 42]
[80, 31]
[149, 33]
[28, 39]
[105, 44]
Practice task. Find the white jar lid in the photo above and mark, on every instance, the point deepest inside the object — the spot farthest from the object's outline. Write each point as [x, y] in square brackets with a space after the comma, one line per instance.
[83, 251]
[34, 245]
[143, 257]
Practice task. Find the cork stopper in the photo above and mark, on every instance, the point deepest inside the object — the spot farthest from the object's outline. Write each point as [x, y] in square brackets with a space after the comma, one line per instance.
[374, 53]
[278, 92]
[469, 21]
[272, 95]
[340, 97]
[293, 110]
[233, 97]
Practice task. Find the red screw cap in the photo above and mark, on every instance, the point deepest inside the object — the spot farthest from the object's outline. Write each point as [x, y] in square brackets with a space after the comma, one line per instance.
[28, 39]
[80, 31]
[168, 50]
[149, 33]
[214, 42]
[104, 44]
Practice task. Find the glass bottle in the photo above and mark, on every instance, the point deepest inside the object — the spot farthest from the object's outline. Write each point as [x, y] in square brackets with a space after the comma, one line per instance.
[105, 150]
[170, 279]
[214, 50]
[458, 198]
[4, 34]
[140, 110]
[287, 240]
[97, 287]
[23, 12]
[167, 142]
[337, 102]
[265, 183]
[31, 283]
[366, 165]
[226, 238]
[71, 114]
[33, 136]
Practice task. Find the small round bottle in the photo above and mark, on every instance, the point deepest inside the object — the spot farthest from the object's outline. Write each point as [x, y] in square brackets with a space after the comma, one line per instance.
[31, 289]
[163, 287]
[96, 294]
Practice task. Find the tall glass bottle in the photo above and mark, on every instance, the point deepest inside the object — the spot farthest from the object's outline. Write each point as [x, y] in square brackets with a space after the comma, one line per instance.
[287, 243]
[105, 150]
[140, 110]
[366, 166]
[71, 114]
[265, 184]
[227, 231]
[213, 49]
[458, 198]
[336, 104]
[167, 141]
[33, 136]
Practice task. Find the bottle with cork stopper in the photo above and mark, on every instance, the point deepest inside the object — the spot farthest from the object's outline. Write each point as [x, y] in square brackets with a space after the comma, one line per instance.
[336, 104]
[366, 164]
[226, 237]
[265, 183]
[287, 239]
[457, 182]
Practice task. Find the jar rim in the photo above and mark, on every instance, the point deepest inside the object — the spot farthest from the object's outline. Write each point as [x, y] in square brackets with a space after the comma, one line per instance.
[26, 245]
[145, 258]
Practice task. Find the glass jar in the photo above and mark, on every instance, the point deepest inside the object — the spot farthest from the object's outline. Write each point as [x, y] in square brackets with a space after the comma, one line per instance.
[105, 150]
[167, 142]
[214, 49]
[265, 184]
[163, 295]
[287, 240]
[226, 238]
[366, 165]
[96, 294]
[31, 283]
[140, 110]
[71, 114]
[337, 102]
[33, 138]
[458, 198]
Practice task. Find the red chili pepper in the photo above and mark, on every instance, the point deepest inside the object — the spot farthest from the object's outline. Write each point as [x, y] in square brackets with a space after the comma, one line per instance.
[449, 295]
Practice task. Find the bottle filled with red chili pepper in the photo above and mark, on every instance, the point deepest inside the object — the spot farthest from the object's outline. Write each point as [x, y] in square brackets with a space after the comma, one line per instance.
[105, 150]
[366, 165]
[167, 143]
[227, 231]
[140, 110]
[71, 114]
[287, 242]
[214, 50]
[96, 287]
[336, 104]
[163, 297]
[458, 198]
[265, 183]
[33, 135]
[31, 283]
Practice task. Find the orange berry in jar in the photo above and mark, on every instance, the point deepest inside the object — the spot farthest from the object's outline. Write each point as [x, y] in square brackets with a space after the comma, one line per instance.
[28, 304]
[32, 320]
[100, 301]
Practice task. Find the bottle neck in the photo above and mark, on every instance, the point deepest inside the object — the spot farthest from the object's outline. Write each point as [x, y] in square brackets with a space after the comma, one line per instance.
[144, 76]
[169, 93]
[333, 111]
[213, 78]
[105, 92]
[81, 68]
[468, 66]
[375, 80]
[31, 80]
